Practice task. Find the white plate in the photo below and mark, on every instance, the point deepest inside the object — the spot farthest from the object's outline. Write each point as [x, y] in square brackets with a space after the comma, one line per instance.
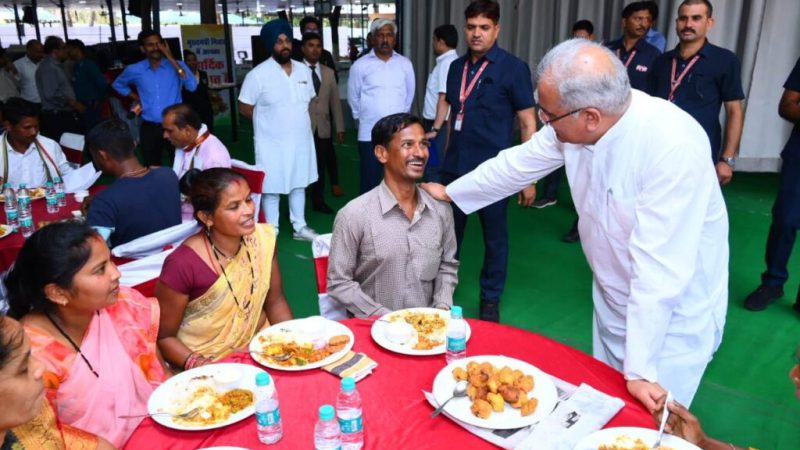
[164, 398]
[609, 436]
[378, 332]
[327, 329]
[510, 418]
[5, 230]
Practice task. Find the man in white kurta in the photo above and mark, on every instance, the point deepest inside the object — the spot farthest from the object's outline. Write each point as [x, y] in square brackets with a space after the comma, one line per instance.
[276, 94]
[653, 223]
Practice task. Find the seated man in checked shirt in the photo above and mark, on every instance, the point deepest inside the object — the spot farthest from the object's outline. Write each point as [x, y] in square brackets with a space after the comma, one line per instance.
[394, 247]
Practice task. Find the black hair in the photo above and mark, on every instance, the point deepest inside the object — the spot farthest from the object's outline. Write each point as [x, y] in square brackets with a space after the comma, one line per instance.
[9, 342]
[31, 43]
[448, 34]
[53, 254]
[699, 2]
[385, 129]
[634, 7]
[184, 115]
[144, 34]
[204, 187]
[653, 7]
[584, 25]
[311, 37]
[15, 109]
[308, 19]
[52, 43]
[486, 8]
[77, 43]
[112, 136]
[187, 53]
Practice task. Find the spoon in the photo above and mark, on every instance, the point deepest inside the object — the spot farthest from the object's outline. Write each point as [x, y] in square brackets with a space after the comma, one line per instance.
[664, 415]
[187, 415]
[460, 390]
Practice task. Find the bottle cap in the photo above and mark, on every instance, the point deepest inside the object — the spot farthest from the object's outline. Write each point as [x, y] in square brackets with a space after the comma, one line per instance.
[262, 379]
[348, 384]
[57, 179]
[49, 184]
[326, 412]
[23, 185]
[455, 312]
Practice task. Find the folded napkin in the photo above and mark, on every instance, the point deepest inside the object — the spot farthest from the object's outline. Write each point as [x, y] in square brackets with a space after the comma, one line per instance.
[80, 179]
[586, 411]
[354, 365]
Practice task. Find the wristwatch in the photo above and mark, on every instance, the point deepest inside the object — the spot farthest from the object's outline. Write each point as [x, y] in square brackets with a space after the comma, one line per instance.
[434, 129]
[729, 161]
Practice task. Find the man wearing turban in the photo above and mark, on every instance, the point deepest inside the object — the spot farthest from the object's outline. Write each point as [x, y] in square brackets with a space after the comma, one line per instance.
[275, 95]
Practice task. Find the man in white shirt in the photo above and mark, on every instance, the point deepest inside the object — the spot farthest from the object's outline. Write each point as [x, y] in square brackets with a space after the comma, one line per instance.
[26, 68]
[276, 95]
[28, 157]
[381, 83]
[653, 222]
[195, 146]
[434, 113]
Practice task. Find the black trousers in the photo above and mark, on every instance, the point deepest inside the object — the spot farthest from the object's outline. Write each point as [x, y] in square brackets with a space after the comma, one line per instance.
[152, 144]
[326, 162]
[56, 123]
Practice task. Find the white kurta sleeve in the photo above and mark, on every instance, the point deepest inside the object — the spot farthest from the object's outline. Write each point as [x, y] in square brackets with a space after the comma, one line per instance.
[507, 173]
[250, 90]
[354, 90]
[670, 215]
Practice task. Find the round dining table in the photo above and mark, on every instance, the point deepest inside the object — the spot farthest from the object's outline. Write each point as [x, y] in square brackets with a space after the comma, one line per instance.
[396, 414]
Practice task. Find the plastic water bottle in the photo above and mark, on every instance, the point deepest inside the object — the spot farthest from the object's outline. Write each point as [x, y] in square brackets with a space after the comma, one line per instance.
[268, 413]
[51, 198]
[61, 192]
[350, 415]
[10, 205]
[456, 336]
[24, 211]
[326, 431]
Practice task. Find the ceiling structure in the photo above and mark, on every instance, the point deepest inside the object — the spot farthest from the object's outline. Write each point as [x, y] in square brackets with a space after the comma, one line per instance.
[194, 5]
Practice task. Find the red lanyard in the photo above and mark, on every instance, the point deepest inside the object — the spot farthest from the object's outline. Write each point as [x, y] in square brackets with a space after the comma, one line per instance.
[674, 83]
[464, 93]
[199, 140]
[630, 57]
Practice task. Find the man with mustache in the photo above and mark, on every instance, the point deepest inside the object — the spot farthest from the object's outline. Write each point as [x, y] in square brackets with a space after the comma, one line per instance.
[487, 89]
[276, 95]
[632, 49]
[700, 77]
[381, 83]
[394, 247]
[158, 85]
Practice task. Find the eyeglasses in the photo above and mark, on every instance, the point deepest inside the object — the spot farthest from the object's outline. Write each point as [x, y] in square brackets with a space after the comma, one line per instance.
[543, 114]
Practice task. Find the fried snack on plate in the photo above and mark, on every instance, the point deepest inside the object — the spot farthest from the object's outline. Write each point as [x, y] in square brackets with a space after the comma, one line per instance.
[497, 402]
[505, 376]
[524, 382]
[529, 407]
[481, 408]
[523, 398]
[509, 393]
[460, 374]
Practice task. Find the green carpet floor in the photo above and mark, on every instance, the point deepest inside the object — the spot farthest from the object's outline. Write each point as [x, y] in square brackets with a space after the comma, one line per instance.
[746, 396]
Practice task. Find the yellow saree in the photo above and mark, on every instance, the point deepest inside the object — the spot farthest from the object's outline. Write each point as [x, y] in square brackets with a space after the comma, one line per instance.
[214, 324]
[45, 433]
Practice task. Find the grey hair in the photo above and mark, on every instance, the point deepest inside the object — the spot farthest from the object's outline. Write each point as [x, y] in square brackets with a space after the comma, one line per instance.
[578, 87]
[380, 23]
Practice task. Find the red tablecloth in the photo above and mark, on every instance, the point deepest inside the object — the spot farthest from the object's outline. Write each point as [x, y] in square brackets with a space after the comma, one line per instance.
[12, 244]
[396, 415]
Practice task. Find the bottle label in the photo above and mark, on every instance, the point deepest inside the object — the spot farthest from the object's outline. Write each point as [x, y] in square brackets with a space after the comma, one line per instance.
[60, 194]
[351, 425]
[456, 344]
[52, 200]
[26, 222]
[11, 214]
[268, 418]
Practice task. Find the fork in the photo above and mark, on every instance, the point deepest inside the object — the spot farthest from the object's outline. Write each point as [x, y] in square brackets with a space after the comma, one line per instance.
[664, 416]
[187, 415]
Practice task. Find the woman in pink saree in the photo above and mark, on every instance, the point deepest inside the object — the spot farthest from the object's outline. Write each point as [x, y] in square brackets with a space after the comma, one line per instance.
[95, 338]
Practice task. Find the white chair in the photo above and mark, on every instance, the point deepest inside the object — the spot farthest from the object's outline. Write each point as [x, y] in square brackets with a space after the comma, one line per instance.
[156, 242]
[328, 307]
[255, 179]
[144, 269]
[72, 145]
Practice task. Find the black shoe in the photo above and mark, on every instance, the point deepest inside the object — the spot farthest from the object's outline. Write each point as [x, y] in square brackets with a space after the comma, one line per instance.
[762, 297]
[572, 236]
[544, 202]
[490, 311]
[323, 208]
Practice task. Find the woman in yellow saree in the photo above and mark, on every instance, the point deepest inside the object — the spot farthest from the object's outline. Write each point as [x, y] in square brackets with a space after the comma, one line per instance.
[223, 284]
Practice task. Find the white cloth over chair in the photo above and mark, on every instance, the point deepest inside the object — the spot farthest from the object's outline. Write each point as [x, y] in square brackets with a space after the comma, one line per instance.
[328, 307]
[156, 242]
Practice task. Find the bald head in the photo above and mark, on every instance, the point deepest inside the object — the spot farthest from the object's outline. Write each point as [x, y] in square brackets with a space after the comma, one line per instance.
[585, 74]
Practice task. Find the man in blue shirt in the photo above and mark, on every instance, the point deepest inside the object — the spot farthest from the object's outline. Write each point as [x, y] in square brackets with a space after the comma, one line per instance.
[635, 53]
[142, 200]
[653, 36]
[786, 211]
[158, 85]
[700, 77]
[487, 89]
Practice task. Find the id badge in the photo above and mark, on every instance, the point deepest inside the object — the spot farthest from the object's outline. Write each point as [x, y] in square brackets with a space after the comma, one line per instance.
[459, 121]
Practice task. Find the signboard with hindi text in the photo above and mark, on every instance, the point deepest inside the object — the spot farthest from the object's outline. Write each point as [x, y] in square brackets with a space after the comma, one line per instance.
[208, 43]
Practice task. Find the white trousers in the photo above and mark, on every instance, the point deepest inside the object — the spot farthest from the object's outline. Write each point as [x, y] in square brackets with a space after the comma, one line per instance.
[297, 208]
